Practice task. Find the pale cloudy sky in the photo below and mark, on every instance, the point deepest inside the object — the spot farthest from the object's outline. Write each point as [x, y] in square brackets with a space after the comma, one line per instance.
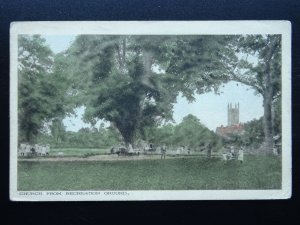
[211, 109]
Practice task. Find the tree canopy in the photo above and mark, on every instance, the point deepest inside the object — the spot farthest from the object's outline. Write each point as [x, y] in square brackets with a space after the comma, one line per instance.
[133, 81]
[42, 86]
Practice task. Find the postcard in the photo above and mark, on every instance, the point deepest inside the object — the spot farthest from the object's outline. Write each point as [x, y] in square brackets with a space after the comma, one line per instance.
[150, 110]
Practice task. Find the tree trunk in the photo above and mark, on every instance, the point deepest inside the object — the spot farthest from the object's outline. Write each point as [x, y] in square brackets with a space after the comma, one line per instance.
[28, 137]
[128, 138]
[266, 88]
[268, 97]
[127, 133]
[268, 128]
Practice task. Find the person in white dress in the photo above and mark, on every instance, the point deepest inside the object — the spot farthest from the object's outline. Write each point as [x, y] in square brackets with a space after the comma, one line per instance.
[130, 148]
[241, 155]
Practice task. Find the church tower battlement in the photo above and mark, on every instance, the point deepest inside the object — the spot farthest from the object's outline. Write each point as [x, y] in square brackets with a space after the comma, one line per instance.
[233, 114]
[234, 126]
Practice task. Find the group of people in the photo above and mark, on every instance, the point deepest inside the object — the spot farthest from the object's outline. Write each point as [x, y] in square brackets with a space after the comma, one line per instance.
[33, 150]
[228, 153]
[179, 151]
[233, 154]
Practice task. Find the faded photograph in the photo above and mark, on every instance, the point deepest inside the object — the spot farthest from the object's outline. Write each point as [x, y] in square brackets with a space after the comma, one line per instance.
[149, 112]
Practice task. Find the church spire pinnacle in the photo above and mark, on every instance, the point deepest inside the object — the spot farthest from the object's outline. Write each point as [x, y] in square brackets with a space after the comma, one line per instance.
[233, 114]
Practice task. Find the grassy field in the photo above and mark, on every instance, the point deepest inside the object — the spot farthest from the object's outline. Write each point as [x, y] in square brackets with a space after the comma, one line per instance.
[257, 172]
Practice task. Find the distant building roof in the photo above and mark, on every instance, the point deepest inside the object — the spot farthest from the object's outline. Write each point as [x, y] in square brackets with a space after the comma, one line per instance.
[237, 129]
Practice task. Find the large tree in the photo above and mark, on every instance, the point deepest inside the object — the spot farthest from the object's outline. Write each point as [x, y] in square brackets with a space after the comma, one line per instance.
[41, 89]
[133, 81]
[257, 63]
[121, 86]
[196, 64]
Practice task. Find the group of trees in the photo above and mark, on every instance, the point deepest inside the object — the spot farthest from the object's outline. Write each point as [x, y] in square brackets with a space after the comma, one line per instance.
[41, 92]
[84, 138]
[252, 136]
[189, 133]
[133, 81]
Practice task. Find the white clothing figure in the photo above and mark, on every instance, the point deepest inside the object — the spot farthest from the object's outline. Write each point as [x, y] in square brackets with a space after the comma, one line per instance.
[241, 155]
[130, 149]
[224, 156]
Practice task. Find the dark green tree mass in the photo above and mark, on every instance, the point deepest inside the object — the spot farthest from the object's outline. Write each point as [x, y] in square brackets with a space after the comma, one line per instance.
[133, 81]
[41, 88]
[254, 133]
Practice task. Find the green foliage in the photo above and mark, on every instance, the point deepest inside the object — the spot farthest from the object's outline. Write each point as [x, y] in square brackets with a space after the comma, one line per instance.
[45, 91]
[58, 131]
[264, 75]
[84, 138]
[196, 64]
[254, 133]
[39, 95]
[160, 135]
[268, 50]
[133, 82]
[190, 133]
[122, 87]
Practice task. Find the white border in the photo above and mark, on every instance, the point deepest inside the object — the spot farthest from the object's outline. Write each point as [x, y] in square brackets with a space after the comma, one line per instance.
[154, 28]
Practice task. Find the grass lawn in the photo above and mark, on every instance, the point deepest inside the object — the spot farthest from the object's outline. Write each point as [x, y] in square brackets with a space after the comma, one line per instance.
[257, 172]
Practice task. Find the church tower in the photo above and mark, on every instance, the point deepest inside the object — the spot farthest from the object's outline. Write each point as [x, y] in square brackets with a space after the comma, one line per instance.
[233, 113]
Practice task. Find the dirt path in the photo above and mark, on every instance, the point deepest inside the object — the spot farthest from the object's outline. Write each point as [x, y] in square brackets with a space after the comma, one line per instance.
[98, 158]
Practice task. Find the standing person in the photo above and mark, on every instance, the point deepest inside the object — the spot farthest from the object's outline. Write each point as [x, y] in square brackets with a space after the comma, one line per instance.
[163, 151]
[130, 148]
[241, 155]
[232, 152]
[209, 151]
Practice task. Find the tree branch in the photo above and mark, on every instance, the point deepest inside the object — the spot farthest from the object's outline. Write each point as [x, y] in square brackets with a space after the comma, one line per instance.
[239, 79]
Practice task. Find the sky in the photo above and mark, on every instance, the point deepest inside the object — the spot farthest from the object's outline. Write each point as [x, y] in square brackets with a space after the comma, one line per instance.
[210, 108]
